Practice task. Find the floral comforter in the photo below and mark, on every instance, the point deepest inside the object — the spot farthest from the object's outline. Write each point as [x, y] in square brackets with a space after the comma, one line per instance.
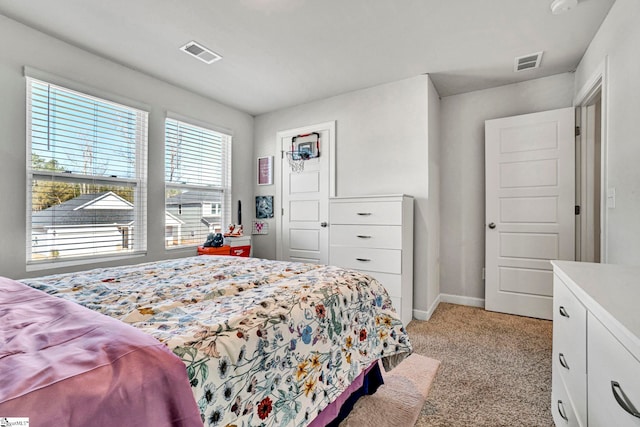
[265, 343]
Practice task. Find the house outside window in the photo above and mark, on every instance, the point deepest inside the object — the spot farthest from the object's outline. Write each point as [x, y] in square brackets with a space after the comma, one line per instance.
[87, 173]
[197, 182]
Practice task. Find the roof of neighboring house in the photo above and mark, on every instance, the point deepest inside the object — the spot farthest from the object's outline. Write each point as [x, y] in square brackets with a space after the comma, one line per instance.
[194, 198]
[104, 208]
[172, 220]
[210, 220]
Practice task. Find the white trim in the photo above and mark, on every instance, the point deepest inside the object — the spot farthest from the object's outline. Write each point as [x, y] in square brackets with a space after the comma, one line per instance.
[449, 299]
[426, 315]
[599, 81]
[195, 122]
[51, 265]
[102, 95]
[462, 300]
[277, 172]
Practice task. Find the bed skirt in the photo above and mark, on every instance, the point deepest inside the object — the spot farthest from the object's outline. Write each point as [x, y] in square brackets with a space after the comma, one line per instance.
[366, 383]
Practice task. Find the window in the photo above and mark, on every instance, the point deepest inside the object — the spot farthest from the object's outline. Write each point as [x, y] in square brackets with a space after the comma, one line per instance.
[87, 175]
[197, 182]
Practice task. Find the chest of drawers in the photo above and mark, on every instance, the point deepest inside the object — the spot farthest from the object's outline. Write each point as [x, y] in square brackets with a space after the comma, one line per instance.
[374, 234]
[596, 345]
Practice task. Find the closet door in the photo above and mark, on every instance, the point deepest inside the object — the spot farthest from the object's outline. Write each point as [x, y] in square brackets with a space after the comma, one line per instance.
[529, 217]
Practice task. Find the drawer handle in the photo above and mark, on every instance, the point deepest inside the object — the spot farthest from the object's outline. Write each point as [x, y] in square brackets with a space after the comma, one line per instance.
[563, 361]
[623, 400]
[364, 213]
[561, 411]
[363, 237]
[563, 312]
[363, 259]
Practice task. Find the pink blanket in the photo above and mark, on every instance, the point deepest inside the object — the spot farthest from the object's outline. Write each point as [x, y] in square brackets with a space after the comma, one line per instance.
[64, 365]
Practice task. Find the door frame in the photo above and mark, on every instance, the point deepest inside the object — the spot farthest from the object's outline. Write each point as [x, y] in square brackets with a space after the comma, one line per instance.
[280, 162]
[596, 84]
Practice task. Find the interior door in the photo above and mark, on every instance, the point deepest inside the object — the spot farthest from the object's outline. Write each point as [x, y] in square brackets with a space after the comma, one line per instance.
[530, 202]
[304, 233]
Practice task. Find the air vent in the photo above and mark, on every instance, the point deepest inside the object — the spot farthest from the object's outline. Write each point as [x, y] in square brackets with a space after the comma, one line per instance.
[202, 53]
[528, 62]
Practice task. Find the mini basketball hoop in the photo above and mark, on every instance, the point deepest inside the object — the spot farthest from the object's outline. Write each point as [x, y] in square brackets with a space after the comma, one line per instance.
[303, 150]
[296, 160]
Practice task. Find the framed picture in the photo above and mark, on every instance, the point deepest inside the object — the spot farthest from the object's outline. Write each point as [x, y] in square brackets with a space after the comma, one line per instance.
[264, 207]
[265, 170]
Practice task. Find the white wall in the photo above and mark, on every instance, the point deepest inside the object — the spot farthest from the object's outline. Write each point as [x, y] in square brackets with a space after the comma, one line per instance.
[433, 208]
[382, 148]
[617, 41]
[462, 173]
[20, 46]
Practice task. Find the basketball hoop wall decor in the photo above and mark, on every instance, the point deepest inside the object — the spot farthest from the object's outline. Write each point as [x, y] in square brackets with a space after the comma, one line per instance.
[303, 148]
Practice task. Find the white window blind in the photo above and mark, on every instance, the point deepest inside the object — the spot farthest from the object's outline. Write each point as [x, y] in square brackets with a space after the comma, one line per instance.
[87, 172]
[197, 182]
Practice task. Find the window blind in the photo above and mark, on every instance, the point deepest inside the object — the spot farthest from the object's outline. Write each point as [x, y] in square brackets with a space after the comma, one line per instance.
[87, 175]
[197, 182]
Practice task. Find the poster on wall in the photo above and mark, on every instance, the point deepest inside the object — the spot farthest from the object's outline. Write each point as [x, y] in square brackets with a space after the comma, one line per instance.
[265, 170]
[264, 207]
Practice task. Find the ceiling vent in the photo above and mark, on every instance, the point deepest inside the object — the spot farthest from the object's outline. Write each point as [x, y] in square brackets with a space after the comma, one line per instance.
[527, 62]
[202, 53]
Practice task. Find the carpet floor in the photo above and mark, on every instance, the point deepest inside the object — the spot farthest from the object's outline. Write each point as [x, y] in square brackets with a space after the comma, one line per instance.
[495, 368]
[398, 401]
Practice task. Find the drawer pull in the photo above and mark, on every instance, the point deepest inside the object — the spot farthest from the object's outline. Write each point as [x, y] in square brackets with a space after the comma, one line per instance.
[363, 237]
[563, 312]
[364, 213]
[363, 259]
[563, 361]
[623, 400]
[561, 411]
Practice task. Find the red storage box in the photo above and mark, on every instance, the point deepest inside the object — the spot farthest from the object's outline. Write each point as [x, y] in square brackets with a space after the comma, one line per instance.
[242, 251]
[222, 250]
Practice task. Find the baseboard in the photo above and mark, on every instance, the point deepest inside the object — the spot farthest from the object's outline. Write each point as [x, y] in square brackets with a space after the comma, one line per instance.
[452, 299]
[426, 315]
[462, 300]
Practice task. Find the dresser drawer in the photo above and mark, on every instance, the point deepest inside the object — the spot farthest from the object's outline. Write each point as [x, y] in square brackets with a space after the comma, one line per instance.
[379, 213]
[391, 282]
[569, 346]
[367, 236]
[377, 260]
[561, 409]
[610, 363]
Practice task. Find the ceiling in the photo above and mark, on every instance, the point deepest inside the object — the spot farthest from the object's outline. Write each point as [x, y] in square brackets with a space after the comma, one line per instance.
[281, 53]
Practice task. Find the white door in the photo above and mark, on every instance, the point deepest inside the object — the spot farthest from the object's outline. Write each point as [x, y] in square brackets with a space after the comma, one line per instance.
[304, 210]
[530, 200]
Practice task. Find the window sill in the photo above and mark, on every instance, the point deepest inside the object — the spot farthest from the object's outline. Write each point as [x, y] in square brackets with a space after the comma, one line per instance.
[52, 265]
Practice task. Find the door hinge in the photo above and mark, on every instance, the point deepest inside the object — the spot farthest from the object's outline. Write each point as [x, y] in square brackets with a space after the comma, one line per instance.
[577, 130]
[281, 211]
[577, 210]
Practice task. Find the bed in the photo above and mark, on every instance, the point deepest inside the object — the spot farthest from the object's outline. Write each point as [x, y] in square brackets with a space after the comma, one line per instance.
[263, 342]
[64, 365]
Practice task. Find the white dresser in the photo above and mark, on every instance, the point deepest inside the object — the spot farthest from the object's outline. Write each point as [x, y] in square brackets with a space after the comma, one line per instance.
[596, 345]
[374, 234]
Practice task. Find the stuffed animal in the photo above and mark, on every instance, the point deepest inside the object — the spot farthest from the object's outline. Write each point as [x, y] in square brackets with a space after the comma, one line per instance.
[214, 240]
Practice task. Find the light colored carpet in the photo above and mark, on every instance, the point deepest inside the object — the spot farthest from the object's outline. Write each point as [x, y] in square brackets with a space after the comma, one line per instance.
[495, 371]
[399, 400]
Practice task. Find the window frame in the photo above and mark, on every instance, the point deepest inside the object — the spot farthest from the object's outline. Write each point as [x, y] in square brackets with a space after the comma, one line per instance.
[224, 189]
[137, 183]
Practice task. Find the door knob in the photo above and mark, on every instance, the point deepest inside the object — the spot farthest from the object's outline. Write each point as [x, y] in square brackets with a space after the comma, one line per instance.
[323, 224]
[492, 225]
